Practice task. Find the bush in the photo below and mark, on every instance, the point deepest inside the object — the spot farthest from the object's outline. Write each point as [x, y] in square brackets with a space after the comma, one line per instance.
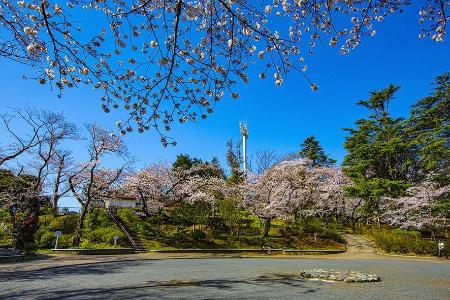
[130, 218]
[5, 216]
[310, 226]
[6, 238]
[403, 242]
[410, 233]
[184, 215]
[47, 240]
[98, 218]
[180, 234]
[45, 219]
[248, 228]
[148, 230]
[65, 241]
[105, 235]
[332, 235]
[66, 223]
[290, 231]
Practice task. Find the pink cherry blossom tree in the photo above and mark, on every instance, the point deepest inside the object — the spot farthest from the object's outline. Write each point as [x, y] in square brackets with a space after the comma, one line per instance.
[170, 61]
[332, 200]
[286, 190]
[419, 208]
[294, 189]
[160, 186]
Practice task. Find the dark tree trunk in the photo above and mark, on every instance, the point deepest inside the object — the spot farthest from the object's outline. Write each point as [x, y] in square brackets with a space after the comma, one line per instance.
[266, 227]
[55, 200]
[80, 225]
[144, 205]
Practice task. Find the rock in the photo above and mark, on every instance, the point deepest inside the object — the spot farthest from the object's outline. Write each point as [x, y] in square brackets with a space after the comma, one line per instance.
[340, 275]
[305, 275]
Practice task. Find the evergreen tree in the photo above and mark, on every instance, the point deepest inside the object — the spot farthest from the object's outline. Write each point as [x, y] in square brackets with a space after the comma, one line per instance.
[184, 161]
[215, 162]
[18, 196]
[206, 169]
[312, 150]
[429, 127]
[234, 161]
[380, 156]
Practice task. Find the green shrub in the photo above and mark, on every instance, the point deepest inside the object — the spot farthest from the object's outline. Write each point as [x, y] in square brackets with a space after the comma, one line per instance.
[184, 215]
[130, 218]
[311, 226]
[66, 223]
[41, 231]
[148, 230]
[254, 240]
[65, 241]
[105, 235]
[332, 235]
[5, 216]
[180, 234]
[6, 238]
[290, 231]
[92, 221]
[47, 240]
[88, 245]
[47, 211]
[217, 225]
[45, 219]
[410, 233]
[402, 242]
[98, 218]
[308, 227]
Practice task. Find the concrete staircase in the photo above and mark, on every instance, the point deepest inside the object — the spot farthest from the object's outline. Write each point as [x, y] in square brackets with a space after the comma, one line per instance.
[133, 238]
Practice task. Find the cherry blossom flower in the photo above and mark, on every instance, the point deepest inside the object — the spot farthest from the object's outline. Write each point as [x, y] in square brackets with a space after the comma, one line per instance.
[184, 50]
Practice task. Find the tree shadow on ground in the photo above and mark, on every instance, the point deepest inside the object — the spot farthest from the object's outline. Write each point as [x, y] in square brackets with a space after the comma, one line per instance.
[182, 289]
[94, 268]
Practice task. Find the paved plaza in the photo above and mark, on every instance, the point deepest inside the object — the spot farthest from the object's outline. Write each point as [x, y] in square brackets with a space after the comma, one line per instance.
[147, 276]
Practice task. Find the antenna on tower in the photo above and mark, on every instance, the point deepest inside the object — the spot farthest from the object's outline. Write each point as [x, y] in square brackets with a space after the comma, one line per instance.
[244, 133]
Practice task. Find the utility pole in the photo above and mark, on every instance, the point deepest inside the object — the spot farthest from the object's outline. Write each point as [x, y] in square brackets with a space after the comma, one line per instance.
[244, 133]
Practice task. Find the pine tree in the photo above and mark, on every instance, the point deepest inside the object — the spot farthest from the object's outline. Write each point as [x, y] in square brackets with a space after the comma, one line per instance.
[380, 156]
[183, 161]
[312, 150]
[429, 127]
[234, 161]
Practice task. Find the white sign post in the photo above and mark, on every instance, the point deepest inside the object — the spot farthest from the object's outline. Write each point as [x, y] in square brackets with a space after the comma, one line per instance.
[57, 234]
[116, 238]
[315, 236]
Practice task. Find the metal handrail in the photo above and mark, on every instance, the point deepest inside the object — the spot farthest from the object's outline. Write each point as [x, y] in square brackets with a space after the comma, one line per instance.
[125, 229]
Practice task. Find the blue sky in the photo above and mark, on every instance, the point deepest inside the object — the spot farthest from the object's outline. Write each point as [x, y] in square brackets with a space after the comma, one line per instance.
[278, 117]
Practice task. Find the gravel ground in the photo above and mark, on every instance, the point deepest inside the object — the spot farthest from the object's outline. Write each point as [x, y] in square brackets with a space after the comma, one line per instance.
[219, 278]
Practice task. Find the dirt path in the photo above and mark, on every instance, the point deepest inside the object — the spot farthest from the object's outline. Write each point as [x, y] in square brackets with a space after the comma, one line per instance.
[359, 244]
